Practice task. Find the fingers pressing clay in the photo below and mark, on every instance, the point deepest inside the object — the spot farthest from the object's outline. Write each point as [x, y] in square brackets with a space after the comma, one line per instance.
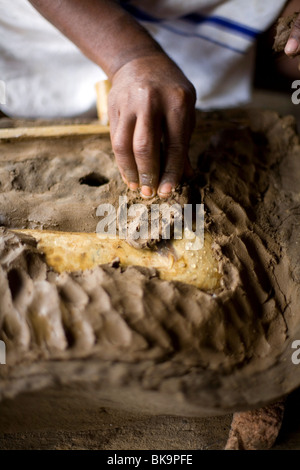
[287, 37]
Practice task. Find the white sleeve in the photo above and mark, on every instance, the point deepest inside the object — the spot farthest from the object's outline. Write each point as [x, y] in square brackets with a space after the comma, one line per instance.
[45, 74]
[212, 41]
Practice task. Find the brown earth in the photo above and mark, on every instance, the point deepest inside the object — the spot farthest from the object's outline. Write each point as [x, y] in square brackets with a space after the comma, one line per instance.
[124, 338]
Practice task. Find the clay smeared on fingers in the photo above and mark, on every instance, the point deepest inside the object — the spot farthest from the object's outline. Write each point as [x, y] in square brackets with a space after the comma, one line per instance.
[283, 30]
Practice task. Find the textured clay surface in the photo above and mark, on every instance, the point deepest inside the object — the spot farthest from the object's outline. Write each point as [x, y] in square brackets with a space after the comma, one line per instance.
[128, 336]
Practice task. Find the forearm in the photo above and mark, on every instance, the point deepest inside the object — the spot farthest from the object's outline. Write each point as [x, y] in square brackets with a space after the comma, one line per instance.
[151, 101]
[103, 31]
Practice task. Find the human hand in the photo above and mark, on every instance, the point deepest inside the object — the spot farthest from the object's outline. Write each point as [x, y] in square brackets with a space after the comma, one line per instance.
[151, 101]
[292, 47]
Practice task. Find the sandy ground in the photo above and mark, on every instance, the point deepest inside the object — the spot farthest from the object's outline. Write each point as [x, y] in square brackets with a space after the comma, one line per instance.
[51, 422]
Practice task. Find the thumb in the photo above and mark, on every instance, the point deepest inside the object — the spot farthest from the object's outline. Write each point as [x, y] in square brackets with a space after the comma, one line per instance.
[292, 47]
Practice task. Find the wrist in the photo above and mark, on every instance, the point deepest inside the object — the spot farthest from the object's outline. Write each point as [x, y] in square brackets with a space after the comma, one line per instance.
[101, 29]
[125, 41]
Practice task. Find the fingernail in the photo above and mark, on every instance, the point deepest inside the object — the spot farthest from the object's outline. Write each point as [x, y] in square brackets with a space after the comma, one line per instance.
[133, 186]
[165, 189]
[147, 192]
[291, 46]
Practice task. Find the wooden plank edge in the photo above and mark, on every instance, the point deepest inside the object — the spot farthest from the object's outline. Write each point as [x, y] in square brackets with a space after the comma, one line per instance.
[53, 131]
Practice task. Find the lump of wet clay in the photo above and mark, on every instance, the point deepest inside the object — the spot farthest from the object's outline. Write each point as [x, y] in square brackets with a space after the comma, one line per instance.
[179, 197]
[283, 30]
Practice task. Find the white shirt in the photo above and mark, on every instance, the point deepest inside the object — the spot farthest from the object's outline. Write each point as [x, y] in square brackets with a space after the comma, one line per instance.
[44, 75]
